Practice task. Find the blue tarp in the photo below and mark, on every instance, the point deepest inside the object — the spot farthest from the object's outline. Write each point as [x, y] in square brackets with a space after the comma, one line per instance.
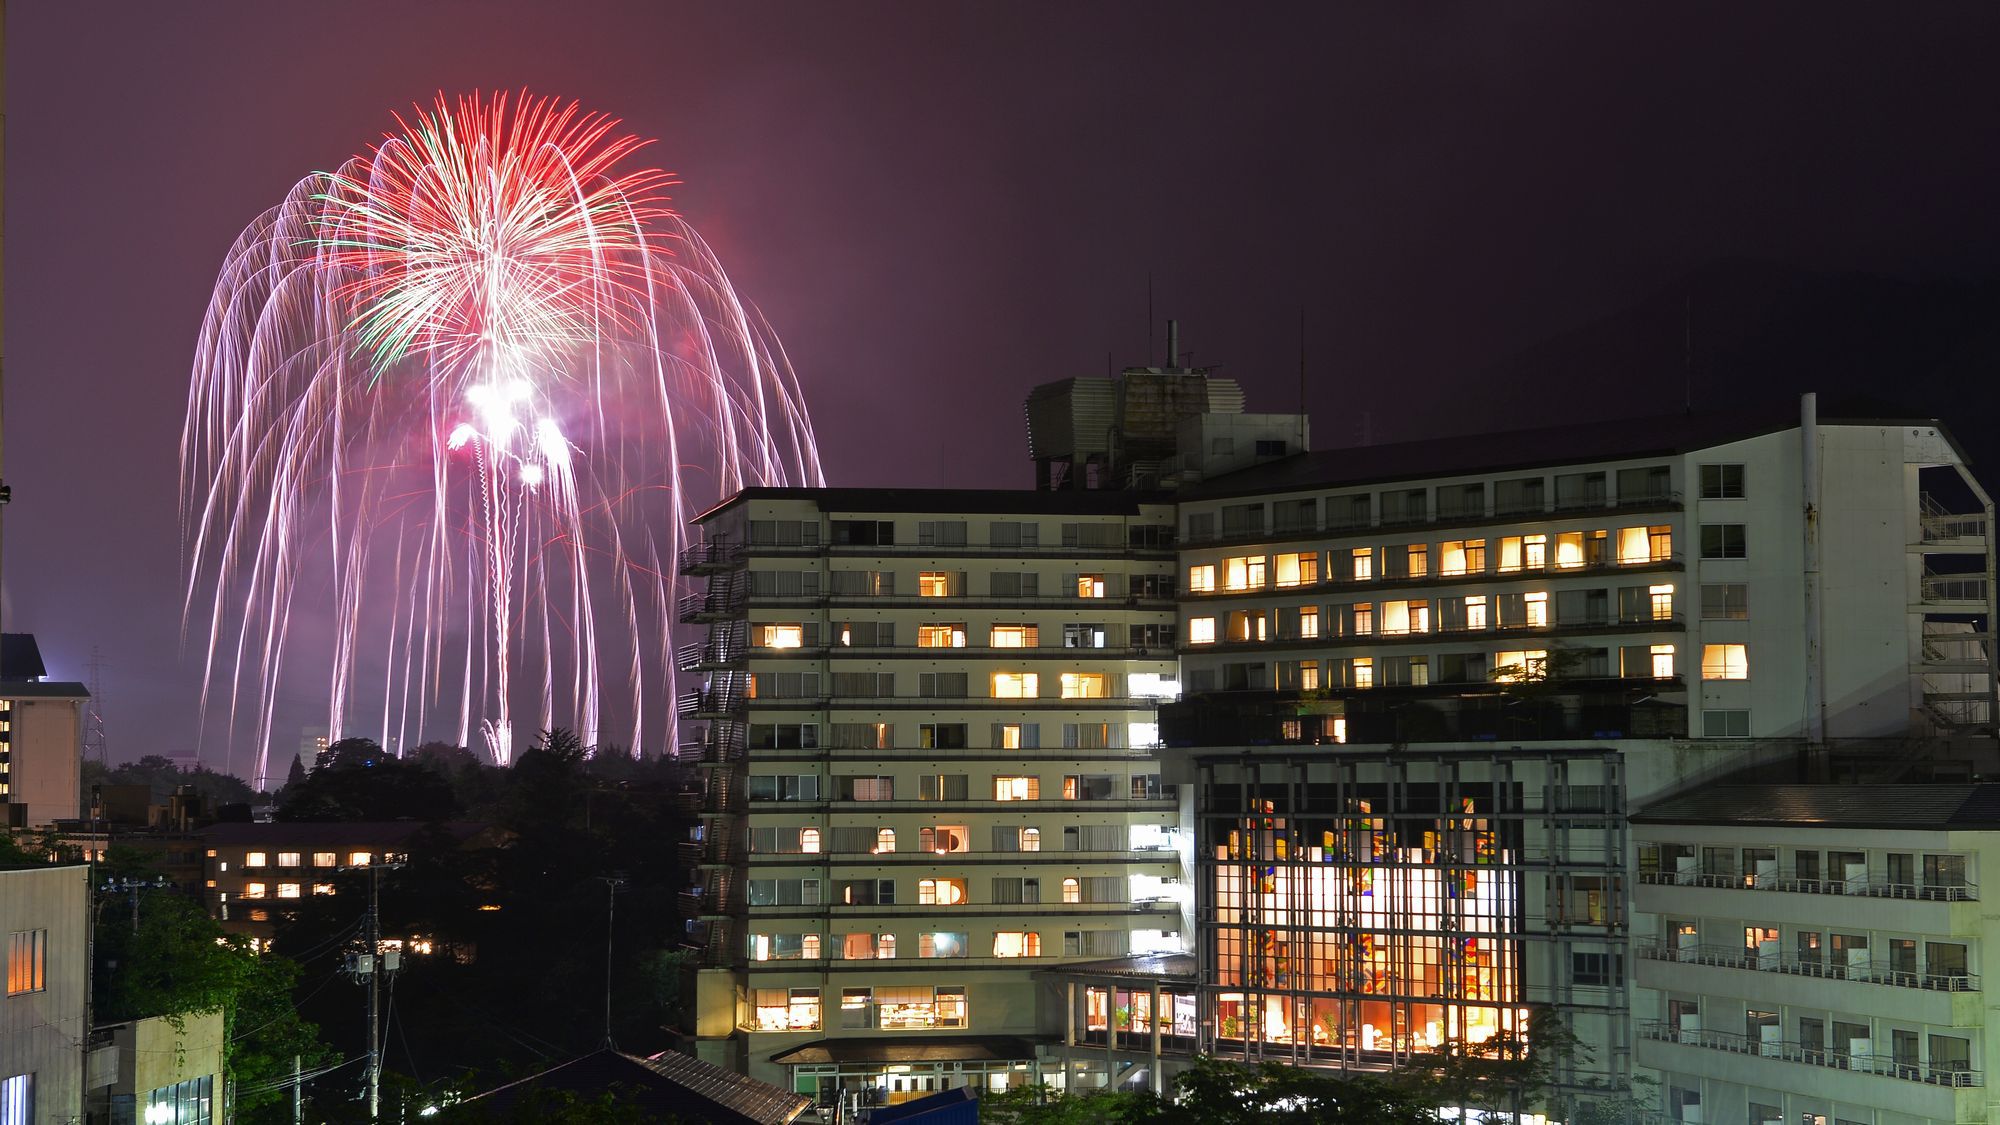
[952, 1107]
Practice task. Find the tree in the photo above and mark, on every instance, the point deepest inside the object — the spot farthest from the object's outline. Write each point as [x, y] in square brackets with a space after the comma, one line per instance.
[354, 780]
[1218, 1092]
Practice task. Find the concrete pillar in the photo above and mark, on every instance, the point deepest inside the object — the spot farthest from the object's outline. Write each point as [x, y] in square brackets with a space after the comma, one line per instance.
[1159, 1087]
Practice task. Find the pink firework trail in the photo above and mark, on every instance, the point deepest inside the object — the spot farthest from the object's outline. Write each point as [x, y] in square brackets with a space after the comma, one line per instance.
[448, 392]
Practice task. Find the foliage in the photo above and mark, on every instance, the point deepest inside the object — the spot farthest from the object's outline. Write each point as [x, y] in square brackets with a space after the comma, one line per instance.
[21, 849]
[176, 962]
[354, 780]
[616, 1106]
[163, 777]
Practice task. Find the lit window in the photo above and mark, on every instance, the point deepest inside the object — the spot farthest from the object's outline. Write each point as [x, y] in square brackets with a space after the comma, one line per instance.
[1420, 560]
[288, 890]
[1364, 671]
[1364, 563]
[1245, 572]
[27, 965]
[357, 859]
[1725, 662]
[1537, 608]
[1072, 890]
[1569, 550]
[1016, 685]
[885, 841]
[326, 859]
[1309, 622]
[1249, 625]
[1014, 943]
[1201, 630]
[256, 859]
[940, 892]
[934, 584]
[1364, 619]
[1090, 585]
[1308, 675]
[1083, 685]
[1663, 662]
[1515, 667]
[322, 888]
[1031, 839]
[809, 841]
[943, 839]
[941, 636]
[290, 859]
[1475, 612]
[1013, 636]
[254, 890]
[1017, 788]
[781, 636]
[1534, 552]
[1201, 579]
[1296, 569]
[941, 945]
[1010, 736]
[1451, 557]
[1510, 554]
[779, 1009]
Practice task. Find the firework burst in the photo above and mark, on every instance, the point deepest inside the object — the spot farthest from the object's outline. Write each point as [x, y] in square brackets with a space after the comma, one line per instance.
[450, 392]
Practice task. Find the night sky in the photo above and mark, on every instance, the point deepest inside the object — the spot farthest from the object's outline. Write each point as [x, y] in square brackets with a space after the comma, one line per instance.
[938, 206]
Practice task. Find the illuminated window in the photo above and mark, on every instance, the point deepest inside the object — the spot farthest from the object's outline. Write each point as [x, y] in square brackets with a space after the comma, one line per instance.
[325, 859]
[1420, 560]
[1090, 585]
[944, 839]
[1201, 579]
[254, 890]
[1633, 549]
[1515, 667]
[1662, 601]
[1510, 554]
[1309, 622]
[1663, 662]
[1010, 736]
[1534, 552]
[934, 584]
[27, 966]
[885, 841]
[256, 859]
[1364, 619]
[1569, 550]
[1249, 625]
[1399, 617]
[1475, 612]
[1014, 636]
[1725, 662]
[940, 892]
[781, 636]
[1015, 943]
[1017, 788]
[780, 1009]
[1031, 839]
[941, 945]
[1245, 572]
[1364, 563]
[1016, 685]
[322, 888]
[1084, 685]
[1451, 557]
[809, 840]
[1364, 671]
[1072, 890]
[1201, 631]
[288, 890]
[290, 859]
[1308, 675]
[357, 859]
[1537, 608]
[1298, 569]
[941, 636]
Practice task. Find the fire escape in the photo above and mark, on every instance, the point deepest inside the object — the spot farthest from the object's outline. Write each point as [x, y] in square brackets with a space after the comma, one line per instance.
[716, 851]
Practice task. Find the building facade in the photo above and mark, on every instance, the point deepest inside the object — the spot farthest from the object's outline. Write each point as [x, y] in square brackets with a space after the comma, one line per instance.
[44, 911]
[41, 738]
[926, 720]
[1814, 953]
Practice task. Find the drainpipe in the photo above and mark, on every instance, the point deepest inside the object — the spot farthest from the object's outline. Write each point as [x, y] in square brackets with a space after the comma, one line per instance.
[1815, 653]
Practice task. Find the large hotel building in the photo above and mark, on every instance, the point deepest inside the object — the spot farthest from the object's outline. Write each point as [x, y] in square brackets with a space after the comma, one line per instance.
[1211, 744]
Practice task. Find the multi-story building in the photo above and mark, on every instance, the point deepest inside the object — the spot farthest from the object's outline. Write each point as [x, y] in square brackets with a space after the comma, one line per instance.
[44, 912]
[926, 720]
[1813, 953]
[41, 738]
[1424, 684]
[253, 871]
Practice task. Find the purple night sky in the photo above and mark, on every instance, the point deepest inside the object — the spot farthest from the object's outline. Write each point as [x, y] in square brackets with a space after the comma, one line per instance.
[938, 206]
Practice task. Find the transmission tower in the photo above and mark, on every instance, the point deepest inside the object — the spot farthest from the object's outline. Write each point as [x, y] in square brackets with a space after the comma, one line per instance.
[93, 713]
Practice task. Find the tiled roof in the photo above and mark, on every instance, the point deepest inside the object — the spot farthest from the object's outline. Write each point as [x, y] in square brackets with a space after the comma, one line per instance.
[969, 501]
[670, 1086]
[1936, 808]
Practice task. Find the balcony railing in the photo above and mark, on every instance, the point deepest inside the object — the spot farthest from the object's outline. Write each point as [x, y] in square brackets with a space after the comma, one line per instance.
[1873, 886]
[1810, 1054]
[1942, 526]
[1454, 712]
[1445, 516]
[1735, 957]
[1948, 588]
[1458, 576]
[698, 558]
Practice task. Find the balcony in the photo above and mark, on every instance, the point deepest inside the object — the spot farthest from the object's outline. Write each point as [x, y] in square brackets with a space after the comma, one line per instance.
[966, 909]
[934, 859]
[1966, 591]
[1638, 564]
[713, 703]
[1445, 517]
[723, 600]
[1566, 710]
[710, 657]
[1946, 528]
[1809, 1054]
[1870, 886]
[1734, 957]
[710, 558]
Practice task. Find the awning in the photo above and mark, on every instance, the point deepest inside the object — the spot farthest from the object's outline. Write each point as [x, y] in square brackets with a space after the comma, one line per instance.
[956, 1048]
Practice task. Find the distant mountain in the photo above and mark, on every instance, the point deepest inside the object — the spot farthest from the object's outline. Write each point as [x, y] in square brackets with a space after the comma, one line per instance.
[1741, 333]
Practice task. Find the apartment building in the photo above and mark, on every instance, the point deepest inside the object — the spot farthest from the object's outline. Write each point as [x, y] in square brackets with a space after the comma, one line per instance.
[1813, 953]
[926, 720]
[1425, 683]
[253, 871]
[44, 912]
[41, 738]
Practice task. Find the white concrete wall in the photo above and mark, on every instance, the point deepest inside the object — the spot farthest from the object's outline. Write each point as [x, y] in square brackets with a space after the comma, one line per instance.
[42, 1033]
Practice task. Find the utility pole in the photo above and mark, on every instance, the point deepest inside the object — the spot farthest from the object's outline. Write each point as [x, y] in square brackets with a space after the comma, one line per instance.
[611, 885]
[368, 968]
[298, 1100]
